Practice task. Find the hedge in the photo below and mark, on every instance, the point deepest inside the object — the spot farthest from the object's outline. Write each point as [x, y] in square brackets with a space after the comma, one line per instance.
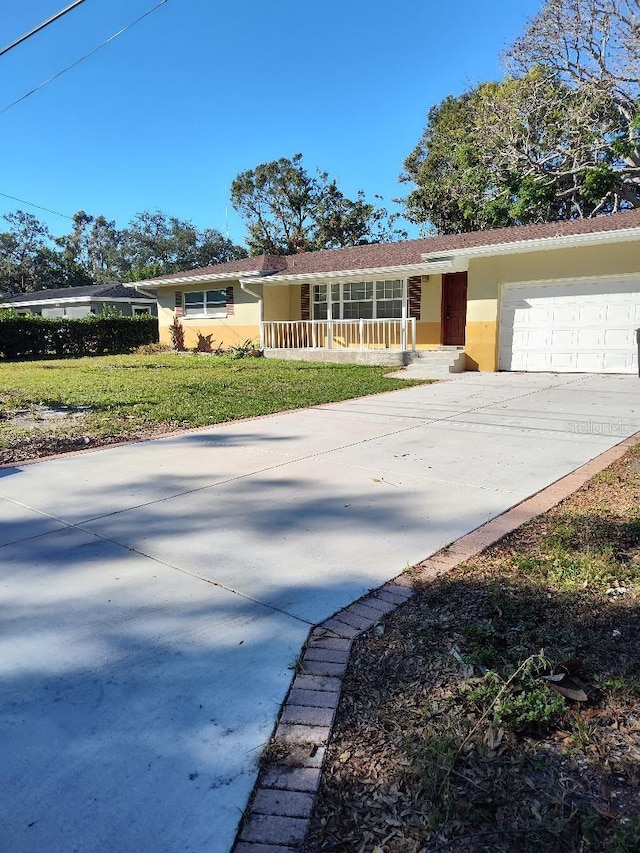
[30, 336]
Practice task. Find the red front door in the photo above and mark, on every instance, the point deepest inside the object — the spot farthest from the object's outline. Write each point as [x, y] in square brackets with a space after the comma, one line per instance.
[454, 308]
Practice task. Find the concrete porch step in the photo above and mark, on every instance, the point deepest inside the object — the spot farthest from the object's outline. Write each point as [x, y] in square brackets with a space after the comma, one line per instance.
[427, 353]
[434, 364]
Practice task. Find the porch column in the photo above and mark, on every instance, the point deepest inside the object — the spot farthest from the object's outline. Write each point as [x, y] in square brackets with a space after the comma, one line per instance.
[403, 327]
[329, 325]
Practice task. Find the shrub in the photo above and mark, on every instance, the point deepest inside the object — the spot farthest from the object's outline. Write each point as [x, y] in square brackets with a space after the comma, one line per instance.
[30, 336]
[204, 343]
[177, 335]
[153, 349]
[247, 348]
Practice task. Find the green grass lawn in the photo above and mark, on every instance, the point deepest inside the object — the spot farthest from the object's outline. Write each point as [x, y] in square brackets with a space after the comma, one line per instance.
[136, 395]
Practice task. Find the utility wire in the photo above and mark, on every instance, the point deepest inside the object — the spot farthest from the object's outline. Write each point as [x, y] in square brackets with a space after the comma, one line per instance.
[82, 58]
[41, 26]
[39, 206]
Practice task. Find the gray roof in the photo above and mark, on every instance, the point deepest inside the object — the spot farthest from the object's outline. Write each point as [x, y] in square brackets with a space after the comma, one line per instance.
[93, 291]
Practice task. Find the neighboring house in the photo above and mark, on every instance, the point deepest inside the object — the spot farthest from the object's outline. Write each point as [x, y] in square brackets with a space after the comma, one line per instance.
[559, 297]
[77, 302]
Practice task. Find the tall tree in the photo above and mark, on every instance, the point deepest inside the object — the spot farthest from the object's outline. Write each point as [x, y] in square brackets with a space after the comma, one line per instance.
[95, 251]
[155, 244]
[27, 260]
[454, 189]
[288, 210]
[558, 139]
[593, 46]
[214, 248]
[94, 246]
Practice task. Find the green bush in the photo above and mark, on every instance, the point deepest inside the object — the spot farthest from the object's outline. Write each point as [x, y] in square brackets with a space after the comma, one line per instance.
[30, 336]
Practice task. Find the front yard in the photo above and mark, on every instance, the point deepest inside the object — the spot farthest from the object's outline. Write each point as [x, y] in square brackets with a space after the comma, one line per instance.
[56, 406]
[499, 710]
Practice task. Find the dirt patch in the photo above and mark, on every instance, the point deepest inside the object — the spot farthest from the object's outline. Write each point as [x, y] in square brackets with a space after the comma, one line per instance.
[40, 444]
[43, 417]
[500, 709]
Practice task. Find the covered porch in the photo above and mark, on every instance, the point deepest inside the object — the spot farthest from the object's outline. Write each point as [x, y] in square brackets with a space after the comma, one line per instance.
[373, 319]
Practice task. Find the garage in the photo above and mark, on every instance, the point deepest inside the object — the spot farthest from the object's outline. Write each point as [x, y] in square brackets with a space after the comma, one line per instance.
[571, 326]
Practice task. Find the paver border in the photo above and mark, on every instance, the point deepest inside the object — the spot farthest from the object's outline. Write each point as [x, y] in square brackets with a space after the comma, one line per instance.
[278, 815]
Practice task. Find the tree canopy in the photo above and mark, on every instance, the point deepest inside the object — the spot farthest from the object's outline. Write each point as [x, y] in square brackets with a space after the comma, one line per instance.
[558, 138]
[95, 251]
[288, 210]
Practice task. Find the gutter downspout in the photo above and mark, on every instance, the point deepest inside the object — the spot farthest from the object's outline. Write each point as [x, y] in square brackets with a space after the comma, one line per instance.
[246, 289]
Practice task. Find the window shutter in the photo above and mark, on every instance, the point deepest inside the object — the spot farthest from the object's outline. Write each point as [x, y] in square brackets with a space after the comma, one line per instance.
[305, 302]
[178, 304]
[231, 309]
[415, 294]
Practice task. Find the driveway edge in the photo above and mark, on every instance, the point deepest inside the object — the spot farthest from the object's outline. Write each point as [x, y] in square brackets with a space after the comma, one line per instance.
[278, 815]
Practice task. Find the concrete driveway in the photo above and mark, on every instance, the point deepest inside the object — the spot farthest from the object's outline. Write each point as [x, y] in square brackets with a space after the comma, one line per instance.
[154, 596]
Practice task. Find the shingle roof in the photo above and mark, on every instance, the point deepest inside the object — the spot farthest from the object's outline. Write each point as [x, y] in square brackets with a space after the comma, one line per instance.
[257, 264]
[409, 252]
[97, 291]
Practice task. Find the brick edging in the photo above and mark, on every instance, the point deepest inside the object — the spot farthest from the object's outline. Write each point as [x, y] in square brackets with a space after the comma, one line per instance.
[278, 816]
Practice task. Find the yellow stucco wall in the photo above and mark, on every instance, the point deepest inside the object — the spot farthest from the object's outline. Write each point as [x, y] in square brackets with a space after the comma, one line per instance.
[228, 331]
[282, 302]
[276, 303]
[487, 275]
[295, 301]
[428, 326]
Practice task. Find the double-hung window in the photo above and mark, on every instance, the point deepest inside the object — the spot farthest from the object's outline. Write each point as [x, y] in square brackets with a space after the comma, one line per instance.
[359, 300]
[205, 303]
[319, 301]
[389, 298]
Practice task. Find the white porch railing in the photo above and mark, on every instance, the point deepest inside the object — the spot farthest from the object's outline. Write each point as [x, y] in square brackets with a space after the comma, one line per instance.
[397, 334]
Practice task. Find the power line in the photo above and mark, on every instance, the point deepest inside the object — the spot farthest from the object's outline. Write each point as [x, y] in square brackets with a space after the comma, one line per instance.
[39, 206]
[41, 26]
[82, 58]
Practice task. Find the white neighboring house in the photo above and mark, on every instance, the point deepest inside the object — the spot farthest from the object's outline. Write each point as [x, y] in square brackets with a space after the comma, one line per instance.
[76, 302]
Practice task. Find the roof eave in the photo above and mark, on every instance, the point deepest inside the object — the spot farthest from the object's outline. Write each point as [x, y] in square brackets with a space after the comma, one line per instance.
[397, 270]
[516, 247]
[75, 300]
[195, 279]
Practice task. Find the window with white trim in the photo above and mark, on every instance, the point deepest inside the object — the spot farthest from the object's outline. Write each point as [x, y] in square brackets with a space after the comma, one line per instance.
[357, 300]
[366, 300]
[389, 296]
[205, 303]
[319, 301]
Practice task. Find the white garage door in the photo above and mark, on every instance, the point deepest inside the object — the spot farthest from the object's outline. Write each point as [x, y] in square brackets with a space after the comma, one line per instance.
[577, 326]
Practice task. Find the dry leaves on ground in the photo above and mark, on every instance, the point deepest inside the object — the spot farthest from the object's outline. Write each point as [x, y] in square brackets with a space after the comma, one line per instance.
[500, 709]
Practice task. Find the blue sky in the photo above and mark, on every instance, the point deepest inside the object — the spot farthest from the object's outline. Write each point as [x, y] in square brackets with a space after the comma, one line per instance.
[165, 116]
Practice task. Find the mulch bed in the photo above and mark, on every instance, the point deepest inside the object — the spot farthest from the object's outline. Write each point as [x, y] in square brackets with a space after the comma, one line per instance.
[499, 710]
